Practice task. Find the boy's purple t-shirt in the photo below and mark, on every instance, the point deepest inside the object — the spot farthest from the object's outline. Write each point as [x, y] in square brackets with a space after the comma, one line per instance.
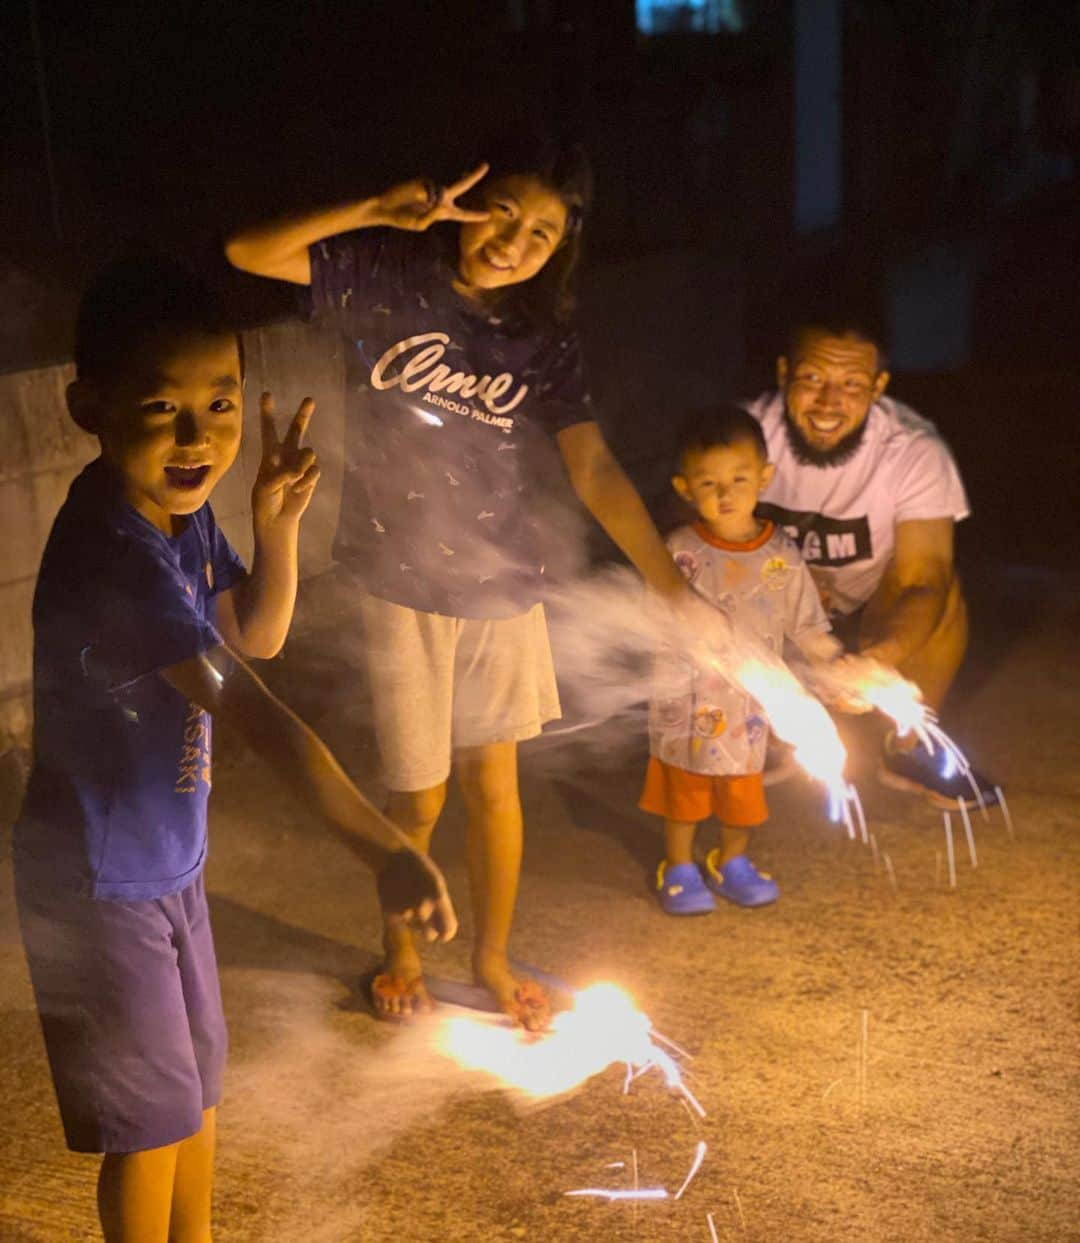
[116, 802]
[444, 405]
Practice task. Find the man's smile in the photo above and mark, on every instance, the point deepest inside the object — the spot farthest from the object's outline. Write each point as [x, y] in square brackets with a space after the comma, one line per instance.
[826, 423]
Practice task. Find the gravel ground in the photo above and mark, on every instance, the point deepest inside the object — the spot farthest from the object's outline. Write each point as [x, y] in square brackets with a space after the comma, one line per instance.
[963, 1125]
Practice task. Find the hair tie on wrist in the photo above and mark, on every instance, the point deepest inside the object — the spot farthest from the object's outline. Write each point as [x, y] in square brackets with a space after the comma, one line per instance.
[433, 191]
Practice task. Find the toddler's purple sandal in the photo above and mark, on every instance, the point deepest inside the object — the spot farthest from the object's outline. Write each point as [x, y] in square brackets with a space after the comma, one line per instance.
[739, 881]
[682, 891]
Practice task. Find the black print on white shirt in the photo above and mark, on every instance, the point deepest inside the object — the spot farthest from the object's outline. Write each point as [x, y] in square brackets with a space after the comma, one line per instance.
[822, 541]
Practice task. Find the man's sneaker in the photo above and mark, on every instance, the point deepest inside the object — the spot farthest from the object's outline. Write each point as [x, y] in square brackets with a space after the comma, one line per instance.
[739, 881]
[682, 891]
[935, 776]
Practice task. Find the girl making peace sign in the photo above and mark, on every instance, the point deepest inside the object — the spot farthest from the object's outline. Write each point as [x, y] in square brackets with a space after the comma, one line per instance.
[460, 351]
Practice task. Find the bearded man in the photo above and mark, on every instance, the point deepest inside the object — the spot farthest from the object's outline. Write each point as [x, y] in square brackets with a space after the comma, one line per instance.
[870, 492]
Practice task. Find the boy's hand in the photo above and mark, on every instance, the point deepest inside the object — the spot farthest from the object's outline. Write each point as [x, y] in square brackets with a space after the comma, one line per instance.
[412, 890]
[287, 473]
[419, 204]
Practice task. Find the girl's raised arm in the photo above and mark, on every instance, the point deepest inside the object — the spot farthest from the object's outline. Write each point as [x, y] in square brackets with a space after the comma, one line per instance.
[279, 249]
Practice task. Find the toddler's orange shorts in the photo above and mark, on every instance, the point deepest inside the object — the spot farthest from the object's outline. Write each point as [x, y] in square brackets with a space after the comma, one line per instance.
[677, 794]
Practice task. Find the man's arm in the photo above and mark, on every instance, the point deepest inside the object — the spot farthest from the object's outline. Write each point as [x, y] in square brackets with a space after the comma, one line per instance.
[254, 616]
[410, 885]
[603, 488]
[280, 249]
[918, 582]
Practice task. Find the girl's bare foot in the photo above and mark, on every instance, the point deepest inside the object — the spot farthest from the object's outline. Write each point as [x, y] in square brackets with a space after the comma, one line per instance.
[523, 1000]
[398, 991]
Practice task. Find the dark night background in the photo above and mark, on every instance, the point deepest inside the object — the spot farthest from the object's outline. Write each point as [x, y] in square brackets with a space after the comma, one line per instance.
[883, 1056]
[953, 209]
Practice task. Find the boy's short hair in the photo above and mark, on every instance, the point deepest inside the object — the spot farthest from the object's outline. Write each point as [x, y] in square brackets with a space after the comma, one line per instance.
[135, 299]
[725, 424]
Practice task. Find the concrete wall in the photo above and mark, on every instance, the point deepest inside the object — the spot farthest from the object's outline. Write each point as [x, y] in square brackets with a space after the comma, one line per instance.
[663, 335]
[44, 451]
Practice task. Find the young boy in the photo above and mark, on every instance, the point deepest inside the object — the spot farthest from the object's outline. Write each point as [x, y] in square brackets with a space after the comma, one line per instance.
[140, 608]
[707, 736]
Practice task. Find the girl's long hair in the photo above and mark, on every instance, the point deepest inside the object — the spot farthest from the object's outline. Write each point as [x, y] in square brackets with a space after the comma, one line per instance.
[549, 297]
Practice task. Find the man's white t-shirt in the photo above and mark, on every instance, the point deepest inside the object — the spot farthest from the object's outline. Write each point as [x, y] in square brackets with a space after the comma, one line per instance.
[843, 518]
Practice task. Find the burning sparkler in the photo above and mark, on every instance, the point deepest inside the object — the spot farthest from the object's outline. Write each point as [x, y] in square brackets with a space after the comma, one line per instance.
[797, 717]
[612, 1194]
[860, 680]
[802, 720]
[602, 1027]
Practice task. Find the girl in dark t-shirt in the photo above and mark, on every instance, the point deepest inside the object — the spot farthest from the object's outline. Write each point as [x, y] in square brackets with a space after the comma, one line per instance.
[457, 358]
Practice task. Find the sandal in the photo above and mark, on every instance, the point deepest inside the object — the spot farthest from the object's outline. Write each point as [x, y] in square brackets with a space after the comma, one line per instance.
[739, 881]
[682, 891]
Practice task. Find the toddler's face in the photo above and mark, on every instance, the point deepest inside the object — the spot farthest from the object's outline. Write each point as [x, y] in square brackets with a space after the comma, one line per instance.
[172, 426]
[723, 484]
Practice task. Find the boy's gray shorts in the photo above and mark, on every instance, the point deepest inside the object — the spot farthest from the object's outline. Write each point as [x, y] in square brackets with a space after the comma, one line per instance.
[440, 683]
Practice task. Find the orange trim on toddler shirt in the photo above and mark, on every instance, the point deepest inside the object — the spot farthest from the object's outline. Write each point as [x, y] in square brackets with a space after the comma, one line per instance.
[750, 546]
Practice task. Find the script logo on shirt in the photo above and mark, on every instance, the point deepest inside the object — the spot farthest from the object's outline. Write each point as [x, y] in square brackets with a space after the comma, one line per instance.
[822, 541]
[420, 366]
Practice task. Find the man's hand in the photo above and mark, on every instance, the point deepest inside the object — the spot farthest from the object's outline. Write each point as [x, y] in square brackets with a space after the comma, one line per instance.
[287, 473]
[412, 890]
[418, 204]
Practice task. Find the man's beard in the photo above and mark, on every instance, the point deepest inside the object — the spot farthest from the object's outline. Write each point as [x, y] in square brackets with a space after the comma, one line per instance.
[807, 454]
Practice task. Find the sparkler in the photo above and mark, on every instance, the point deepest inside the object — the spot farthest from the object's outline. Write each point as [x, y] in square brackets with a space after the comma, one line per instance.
[1000, 794]
[880, 687]
[949, 851]
[953, 760]
[885, 858]
[968, 833]
[856, 806]
[883, 689]
[800, 719]
[611, 1194]
[601, 1028]
[699, 1156]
